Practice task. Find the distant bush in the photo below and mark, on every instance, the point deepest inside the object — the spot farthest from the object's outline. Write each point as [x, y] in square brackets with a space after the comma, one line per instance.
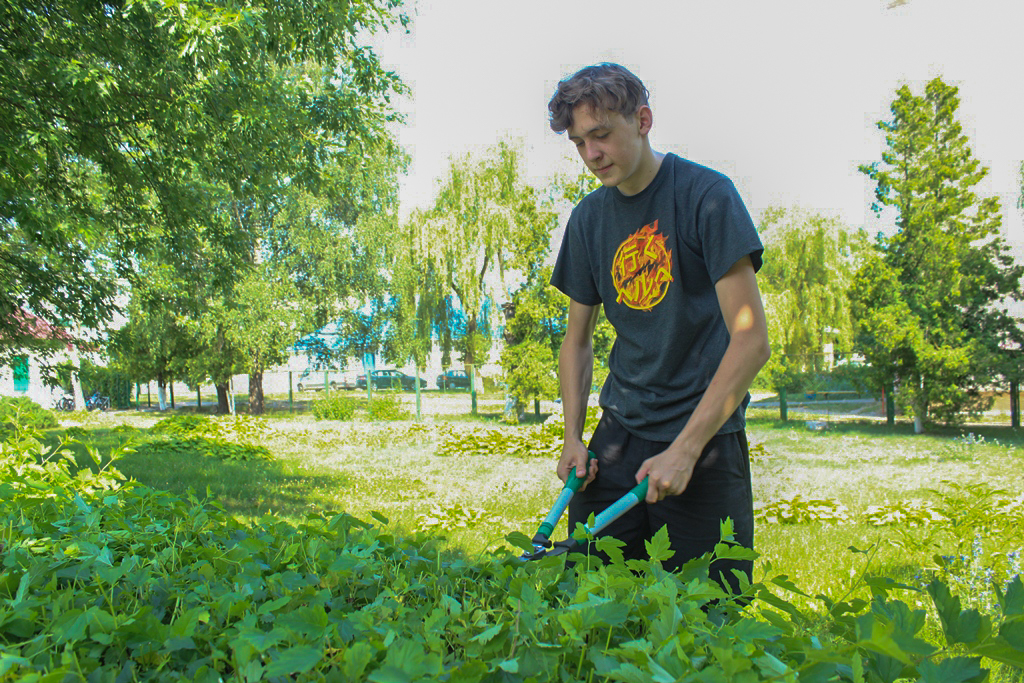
[187, 426]
[209, 447]
[388, 407]
[334, 407]
[26, 411]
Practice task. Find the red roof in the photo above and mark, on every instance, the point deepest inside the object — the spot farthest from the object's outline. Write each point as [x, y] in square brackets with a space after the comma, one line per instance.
[34, 327]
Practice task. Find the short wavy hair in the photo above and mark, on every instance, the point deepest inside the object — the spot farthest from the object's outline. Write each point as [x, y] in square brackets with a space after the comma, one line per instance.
[601, 86]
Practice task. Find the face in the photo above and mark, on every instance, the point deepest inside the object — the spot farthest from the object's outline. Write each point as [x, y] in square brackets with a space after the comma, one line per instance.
[612, 146]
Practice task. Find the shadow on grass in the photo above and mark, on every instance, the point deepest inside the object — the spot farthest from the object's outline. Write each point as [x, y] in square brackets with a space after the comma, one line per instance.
[246, 489]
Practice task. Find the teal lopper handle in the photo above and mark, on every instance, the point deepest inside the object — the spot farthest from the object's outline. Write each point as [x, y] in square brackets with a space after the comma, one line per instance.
[635, 495]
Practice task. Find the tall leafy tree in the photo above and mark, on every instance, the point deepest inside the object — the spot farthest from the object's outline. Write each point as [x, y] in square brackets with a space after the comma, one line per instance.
[486, 229]
[930, 304]
[534, 329]
[811, 260]
[121, 117]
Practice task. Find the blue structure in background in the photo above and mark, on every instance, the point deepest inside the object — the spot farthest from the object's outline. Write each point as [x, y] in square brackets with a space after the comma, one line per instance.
[339, 339]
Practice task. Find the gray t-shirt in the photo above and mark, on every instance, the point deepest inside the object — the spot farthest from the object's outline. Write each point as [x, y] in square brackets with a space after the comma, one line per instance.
[653, 260]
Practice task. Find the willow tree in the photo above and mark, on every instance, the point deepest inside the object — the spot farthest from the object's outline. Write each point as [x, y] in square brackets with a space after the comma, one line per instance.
[485, 230]
[809, 266]
[931, 304]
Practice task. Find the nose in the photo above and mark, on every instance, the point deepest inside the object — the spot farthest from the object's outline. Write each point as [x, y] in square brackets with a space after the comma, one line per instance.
[592, 151]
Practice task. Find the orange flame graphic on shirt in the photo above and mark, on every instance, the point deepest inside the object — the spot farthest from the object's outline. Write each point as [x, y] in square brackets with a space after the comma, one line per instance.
[642, 269]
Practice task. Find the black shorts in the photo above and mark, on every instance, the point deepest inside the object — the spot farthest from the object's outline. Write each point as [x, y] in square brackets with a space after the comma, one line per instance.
[719, 488]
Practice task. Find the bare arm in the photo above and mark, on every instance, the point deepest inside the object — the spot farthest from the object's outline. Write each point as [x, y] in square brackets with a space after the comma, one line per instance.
[748, 351]
[575, 376]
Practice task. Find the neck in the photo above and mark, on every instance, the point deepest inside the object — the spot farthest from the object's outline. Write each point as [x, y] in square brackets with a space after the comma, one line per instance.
[650, 162]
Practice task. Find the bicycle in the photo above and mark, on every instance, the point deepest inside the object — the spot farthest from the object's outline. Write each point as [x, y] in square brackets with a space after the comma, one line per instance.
[65, 403]
[97, 402]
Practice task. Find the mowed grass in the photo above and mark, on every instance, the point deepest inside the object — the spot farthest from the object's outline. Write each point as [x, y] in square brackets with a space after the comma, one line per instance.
[322, 467]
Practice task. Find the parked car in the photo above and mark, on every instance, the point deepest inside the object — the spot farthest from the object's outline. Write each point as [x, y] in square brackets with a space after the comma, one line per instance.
[390, 379]
[314, 379]
[453, 379]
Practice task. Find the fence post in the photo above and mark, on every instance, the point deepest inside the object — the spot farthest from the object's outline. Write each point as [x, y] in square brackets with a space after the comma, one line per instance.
[783, 406]
[1015, 405]
[149, 403]
[199, 399]
[472, 385]
[890, 405]
[418, 413]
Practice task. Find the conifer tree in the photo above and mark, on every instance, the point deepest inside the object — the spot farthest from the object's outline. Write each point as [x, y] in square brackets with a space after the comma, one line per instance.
[931, 303]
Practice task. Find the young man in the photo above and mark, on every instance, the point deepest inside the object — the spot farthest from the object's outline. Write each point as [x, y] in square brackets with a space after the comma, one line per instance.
[669, 250]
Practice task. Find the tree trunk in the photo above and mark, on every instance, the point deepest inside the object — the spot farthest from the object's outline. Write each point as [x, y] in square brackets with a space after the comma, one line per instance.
[223, 407]
[76, 382]
[256, 393]
[161, 393]
[469, 357]
[920, 410]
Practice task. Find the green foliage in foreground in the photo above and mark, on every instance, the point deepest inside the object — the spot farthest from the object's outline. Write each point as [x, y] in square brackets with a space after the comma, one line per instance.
[24, 410]
[101, 581]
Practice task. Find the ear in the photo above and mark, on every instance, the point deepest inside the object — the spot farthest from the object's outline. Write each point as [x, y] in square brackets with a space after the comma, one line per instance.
[644, 119]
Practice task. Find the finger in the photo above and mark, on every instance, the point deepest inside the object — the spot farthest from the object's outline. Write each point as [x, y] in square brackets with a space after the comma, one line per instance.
[645, 468]
[653, 492]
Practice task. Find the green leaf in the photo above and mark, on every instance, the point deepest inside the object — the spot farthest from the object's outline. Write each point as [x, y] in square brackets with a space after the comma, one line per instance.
[783, 581]
[518, 539]
[294, 660]
[612, 547]
[488, 634]
[1013, 600]
[8, 662]
[356, 659]
[379, 517]
[659, 548]
[952, 670]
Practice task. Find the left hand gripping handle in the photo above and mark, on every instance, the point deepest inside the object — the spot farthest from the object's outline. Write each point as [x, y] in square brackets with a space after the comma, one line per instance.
[572, 485]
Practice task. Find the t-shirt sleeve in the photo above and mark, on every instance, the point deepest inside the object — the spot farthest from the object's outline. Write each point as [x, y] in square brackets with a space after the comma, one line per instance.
[572, 273]
[727, 233]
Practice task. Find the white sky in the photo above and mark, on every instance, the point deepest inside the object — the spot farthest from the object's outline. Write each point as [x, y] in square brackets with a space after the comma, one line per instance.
[782, 96]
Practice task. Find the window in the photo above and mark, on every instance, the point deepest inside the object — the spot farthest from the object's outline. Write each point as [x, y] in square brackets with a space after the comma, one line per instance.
[20, 372]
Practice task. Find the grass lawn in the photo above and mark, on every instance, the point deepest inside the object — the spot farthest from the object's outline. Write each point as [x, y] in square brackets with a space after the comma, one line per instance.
[392, 468]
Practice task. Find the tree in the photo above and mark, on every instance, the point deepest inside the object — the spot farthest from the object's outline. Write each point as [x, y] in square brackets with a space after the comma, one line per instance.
[811, 259]
[930, 304]
[486, 229]
[155, 343]
[121, 118]
[535, 321]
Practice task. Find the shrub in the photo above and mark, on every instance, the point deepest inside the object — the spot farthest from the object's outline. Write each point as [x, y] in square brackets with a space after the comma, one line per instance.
[334, 407]
[26, 412]
[799, 511]
[187, 426]
[384, 406]
[207, 447]
[523, 442]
